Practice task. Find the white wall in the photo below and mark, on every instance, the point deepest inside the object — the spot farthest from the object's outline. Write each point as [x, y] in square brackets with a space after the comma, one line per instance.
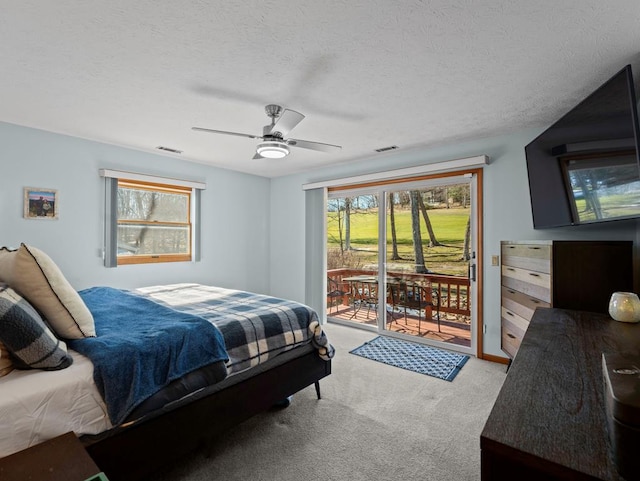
[507, 215]
[235, 212]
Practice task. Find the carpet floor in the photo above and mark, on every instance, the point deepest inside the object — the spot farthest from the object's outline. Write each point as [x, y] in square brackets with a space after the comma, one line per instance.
[374, 422]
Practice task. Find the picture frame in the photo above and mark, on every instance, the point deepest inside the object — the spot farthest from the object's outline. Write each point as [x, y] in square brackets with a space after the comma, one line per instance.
[41, 203]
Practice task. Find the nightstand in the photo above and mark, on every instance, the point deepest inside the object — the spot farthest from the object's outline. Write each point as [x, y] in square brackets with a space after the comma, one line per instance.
[62, 458]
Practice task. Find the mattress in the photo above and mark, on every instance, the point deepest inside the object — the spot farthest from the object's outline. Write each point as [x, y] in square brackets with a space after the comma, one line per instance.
[32, 411]
[38, 405]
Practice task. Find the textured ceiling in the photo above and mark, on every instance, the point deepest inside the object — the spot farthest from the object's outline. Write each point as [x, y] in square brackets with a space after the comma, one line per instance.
[366, 73]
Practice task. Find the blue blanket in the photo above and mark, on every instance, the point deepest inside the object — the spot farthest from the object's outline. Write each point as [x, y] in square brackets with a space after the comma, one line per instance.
[141, 346]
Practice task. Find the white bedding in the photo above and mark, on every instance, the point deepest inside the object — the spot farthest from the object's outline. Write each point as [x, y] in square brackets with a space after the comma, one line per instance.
[39, 405]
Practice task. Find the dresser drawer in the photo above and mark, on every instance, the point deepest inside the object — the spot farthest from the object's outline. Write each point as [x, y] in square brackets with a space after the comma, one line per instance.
[521, 303]
[542, 293]
[531, 257]
[525, 275]
[518, 321]
[538, 281]
[511, 336]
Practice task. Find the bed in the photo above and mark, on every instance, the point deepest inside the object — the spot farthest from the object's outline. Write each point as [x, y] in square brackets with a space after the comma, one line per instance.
[270, 349]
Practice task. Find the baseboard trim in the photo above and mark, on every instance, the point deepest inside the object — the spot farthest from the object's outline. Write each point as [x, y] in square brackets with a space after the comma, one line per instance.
[498, 359]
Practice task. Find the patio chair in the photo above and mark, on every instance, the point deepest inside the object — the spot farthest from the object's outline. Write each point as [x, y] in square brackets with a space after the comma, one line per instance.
[415, 296]
[334, 292]
[395, 298]
[423, 298]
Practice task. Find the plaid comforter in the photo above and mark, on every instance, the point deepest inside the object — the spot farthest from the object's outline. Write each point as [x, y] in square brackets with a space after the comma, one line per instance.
[255, 327]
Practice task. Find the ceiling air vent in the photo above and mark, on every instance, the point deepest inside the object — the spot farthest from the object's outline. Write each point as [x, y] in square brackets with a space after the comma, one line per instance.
[169, 149]
[386, 149]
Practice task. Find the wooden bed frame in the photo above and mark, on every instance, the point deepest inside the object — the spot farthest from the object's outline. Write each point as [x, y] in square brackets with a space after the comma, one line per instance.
[142, 449]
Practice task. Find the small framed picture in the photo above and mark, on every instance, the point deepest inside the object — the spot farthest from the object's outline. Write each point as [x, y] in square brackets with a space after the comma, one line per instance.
[40, 203]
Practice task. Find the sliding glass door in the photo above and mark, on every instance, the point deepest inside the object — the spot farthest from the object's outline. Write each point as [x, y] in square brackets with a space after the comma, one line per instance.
[401, 259]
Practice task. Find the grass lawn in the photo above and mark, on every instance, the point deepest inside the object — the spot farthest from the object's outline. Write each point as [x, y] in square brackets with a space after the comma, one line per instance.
[449, 226]
[614, 205]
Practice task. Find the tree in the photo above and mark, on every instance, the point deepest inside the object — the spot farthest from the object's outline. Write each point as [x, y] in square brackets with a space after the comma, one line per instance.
[347, 223]
[466, 250]
[150, 213]
[136, 204]
[417, 237]
[394, 239]
[460, 194]
[432, 236]
[592, 202]
[335, 206]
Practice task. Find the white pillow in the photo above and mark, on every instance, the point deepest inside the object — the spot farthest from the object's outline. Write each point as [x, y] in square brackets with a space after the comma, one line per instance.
[33, 274]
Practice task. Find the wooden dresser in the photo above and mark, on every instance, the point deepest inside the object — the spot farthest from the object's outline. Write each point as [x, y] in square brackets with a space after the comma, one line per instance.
[549, 419]
[578, 275]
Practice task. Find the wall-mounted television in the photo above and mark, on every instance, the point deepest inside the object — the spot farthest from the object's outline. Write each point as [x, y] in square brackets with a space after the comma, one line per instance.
[585, 168]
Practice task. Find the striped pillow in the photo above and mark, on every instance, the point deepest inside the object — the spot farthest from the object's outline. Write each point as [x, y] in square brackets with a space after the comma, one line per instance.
[6, 365]
[27, 337]
[40, 281]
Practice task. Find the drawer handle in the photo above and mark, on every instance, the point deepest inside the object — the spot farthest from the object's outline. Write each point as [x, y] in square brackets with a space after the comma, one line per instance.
[533, 274]
[510, 269]
[509, 313]
[533, 247]
[535, 301]
[510, 291]
[511, 335]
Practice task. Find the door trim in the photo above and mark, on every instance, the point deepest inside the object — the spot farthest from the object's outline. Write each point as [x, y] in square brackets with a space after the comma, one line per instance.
[399, 175]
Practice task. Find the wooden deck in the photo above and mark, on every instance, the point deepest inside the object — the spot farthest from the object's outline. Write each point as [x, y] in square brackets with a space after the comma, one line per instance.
[449, 295]
[454, 331]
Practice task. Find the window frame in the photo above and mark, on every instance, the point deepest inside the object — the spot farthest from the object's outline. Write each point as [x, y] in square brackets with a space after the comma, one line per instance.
[165, 189]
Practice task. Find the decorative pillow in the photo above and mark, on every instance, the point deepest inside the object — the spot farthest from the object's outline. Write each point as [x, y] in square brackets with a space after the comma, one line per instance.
[7, 259]
[6, 366]
[27, 337]
[38, 279]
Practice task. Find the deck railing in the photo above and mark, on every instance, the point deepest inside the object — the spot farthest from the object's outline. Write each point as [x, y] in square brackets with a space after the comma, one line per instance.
[452, 291]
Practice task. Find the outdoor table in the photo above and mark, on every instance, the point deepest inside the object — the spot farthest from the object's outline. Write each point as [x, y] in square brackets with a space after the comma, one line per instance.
[401, 293]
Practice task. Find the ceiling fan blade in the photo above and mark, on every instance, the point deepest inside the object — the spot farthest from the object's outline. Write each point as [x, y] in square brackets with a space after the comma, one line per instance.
[288, 120]
[201, 129]
[306, 144]
[257, 156]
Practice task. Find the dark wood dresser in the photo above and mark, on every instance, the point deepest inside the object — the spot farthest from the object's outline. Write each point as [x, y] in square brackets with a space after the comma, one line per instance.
[549, 420]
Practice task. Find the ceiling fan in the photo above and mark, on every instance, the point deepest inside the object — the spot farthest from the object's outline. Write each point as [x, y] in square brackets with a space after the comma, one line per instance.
[275, 145]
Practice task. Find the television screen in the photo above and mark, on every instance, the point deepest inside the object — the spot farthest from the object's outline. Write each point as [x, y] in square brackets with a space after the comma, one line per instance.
[585, 167]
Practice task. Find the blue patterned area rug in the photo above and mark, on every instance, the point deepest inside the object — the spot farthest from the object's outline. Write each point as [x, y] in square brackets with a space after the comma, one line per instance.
[413, 357]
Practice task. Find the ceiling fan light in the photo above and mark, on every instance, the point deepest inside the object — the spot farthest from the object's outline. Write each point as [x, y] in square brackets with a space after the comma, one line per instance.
[272, 150]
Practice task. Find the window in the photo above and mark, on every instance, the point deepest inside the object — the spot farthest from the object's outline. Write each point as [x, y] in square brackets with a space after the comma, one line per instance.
[154, 223]
[149, 219]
